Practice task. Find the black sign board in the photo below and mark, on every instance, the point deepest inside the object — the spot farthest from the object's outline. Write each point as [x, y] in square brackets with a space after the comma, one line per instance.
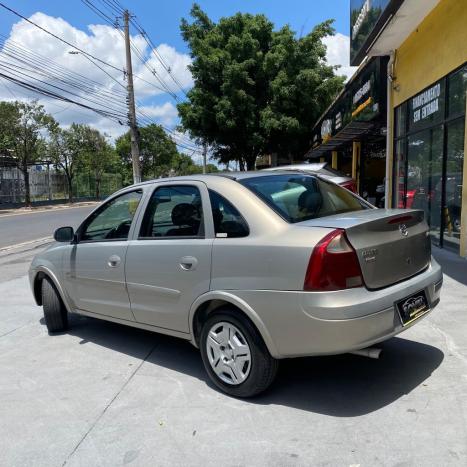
[367, 18]
[427, 107]
[363, 100]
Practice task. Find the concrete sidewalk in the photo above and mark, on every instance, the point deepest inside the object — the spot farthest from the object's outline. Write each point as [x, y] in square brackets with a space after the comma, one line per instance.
[104, 395]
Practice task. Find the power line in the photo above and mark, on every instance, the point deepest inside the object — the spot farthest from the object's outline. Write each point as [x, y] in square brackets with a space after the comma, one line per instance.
[11, 10]
[57, 37]
[48, 93]
[138, 53]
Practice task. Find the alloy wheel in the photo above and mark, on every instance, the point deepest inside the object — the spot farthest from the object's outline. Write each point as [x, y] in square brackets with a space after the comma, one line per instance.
[228, 353]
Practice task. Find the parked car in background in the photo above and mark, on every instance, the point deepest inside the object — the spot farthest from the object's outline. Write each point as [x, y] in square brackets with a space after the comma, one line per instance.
[324, 170]
[250, 267]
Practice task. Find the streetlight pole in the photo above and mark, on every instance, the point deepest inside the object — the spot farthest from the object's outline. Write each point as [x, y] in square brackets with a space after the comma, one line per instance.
[131, 102]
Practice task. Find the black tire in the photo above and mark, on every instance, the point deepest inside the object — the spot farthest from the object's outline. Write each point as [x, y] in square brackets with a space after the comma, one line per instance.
[263, 368]
[55, 313]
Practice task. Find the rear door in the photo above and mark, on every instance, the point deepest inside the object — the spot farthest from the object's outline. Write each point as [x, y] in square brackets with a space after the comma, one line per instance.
[168, 264]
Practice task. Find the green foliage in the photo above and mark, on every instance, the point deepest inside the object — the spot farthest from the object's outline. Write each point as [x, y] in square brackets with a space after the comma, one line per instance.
[256, 90]
[81, 149]
[157, 151]
[23, 128]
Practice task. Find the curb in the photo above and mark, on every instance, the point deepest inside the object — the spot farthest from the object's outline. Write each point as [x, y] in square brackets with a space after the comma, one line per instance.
[49, 208]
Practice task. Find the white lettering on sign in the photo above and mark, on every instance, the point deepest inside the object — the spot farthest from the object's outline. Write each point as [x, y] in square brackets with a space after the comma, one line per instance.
[326, 128]
[338, 121]
[361, 18]
[365, 89]
[426, 103]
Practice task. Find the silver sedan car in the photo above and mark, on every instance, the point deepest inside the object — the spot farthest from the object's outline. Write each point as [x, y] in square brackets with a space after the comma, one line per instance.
[250, 267]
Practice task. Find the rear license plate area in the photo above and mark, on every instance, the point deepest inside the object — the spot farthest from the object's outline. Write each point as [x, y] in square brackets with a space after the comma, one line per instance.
[412, 307]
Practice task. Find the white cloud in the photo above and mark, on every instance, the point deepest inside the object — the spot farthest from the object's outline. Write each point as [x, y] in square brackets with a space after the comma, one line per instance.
[106, 43]
[338, 53]
[166, 113]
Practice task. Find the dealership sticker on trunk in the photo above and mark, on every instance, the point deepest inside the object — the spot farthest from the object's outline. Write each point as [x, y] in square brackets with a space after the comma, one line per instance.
[413, 307]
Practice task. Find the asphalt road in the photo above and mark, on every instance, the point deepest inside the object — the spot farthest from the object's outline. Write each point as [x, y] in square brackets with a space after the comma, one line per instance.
[103, 394]
[23, 227]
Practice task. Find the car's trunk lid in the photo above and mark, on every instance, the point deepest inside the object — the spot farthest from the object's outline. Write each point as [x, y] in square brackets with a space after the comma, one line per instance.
[391, 245]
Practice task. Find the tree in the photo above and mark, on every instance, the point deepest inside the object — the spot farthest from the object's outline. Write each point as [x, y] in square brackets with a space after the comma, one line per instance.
[183, 164]
[98, 156]
[65, 150]
[23, 126]
[157, 151]
[256, 90]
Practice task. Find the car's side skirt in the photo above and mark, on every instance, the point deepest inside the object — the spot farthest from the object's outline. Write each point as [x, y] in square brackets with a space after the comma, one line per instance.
[147, 327]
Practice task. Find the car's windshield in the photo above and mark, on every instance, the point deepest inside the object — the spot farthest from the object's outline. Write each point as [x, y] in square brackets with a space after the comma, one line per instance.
[301, 197]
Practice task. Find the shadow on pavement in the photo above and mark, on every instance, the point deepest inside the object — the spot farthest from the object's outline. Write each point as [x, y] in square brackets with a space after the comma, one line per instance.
[452, 264]
[342, 386]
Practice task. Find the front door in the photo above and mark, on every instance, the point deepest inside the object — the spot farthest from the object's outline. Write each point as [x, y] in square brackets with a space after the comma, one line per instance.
[169, 265]
[95, 266]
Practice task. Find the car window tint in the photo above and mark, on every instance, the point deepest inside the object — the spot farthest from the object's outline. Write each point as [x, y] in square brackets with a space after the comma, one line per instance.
[301, 197]
[228, 222]
[113, 220]
[174, 211]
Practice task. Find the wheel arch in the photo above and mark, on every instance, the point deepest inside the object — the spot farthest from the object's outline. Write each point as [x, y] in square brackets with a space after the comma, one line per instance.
[42, 273]
[212, 301]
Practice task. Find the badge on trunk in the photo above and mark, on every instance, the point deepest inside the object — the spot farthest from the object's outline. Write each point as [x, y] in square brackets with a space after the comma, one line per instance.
[403, 230]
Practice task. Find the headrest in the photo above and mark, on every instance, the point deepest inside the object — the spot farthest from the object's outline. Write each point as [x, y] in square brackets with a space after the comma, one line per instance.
[184, 214]
[310, 201]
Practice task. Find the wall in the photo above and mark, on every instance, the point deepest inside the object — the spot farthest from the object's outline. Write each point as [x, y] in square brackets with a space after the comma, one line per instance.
[436, 47]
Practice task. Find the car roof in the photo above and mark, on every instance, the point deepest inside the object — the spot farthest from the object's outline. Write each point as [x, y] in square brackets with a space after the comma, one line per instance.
[207, 177]
[312, 166]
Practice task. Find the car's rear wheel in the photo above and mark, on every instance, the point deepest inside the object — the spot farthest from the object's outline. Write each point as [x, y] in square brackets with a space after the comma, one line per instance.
[55, 313]
[235, 356]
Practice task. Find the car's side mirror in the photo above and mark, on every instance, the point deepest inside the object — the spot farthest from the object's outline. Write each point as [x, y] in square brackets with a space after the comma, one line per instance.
[64, 234]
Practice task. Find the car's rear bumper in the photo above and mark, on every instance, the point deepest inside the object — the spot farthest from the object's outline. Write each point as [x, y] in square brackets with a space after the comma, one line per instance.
[320, 323]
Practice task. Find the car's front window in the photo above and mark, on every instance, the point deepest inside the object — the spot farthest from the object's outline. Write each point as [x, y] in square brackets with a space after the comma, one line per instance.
[113, 220]
[301, 197]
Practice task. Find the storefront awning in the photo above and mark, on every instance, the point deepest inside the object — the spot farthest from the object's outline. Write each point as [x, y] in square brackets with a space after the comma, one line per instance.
[359, 111]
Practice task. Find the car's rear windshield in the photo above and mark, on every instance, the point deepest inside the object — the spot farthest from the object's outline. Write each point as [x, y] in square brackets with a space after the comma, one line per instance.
[298, 198]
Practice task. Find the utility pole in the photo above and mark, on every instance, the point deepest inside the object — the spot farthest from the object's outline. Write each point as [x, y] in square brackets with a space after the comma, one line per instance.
[131, 102]
[205, 151]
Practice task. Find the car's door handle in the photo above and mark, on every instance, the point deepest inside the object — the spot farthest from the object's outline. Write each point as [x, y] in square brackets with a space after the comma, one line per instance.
[188, 263]
[114, 261]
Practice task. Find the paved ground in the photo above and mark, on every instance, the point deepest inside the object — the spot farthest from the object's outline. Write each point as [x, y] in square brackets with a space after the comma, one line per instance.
[104, 394]
[21, 226]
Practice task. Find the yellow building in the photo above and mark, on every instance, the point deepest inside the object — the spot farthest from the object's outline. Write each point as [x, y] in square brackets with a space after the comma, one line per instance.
[424, 44]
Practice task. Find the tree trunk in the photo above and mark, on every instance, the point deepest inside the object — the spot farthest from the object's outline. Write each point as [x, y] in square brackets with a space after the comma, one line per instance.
[250, 163]
[27, 189]
[70, 189]
[98, 188]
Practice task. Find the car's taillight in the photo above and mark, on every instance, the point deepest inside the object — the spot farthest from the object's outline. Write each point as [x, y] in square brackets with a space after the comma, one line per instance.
[333, 265]
[350, 185]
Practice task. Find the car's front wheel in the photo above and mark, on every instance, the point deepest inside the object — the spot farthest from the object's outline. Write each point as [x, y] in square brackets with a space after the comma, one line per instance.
[55, 313]
[235, 356]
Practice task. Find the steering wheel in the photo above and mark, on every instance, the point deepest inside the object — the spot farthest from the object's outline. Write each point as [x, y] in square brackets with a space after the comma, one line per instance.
[121, 231]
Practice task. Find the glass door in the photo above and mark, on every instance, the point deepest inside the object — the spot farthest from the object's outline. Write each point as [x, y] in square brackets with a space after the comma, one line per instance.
[453, 183]
[424, 175]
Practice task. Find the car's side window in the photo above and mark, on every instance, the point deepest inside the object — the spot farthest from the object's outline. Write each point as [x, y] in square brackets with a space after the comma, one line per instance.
[174, 211]
[228, 222]
[113, 220]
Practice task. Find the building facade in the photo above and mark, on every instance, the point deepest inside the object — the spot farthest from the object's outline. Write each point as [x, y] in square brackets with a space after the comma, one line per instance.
[424, 45]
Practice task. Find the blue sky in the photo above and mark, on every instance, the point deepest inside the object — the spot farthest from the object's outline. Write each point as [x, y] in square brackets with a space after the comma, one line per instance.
[161, 19]
[79, 25]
